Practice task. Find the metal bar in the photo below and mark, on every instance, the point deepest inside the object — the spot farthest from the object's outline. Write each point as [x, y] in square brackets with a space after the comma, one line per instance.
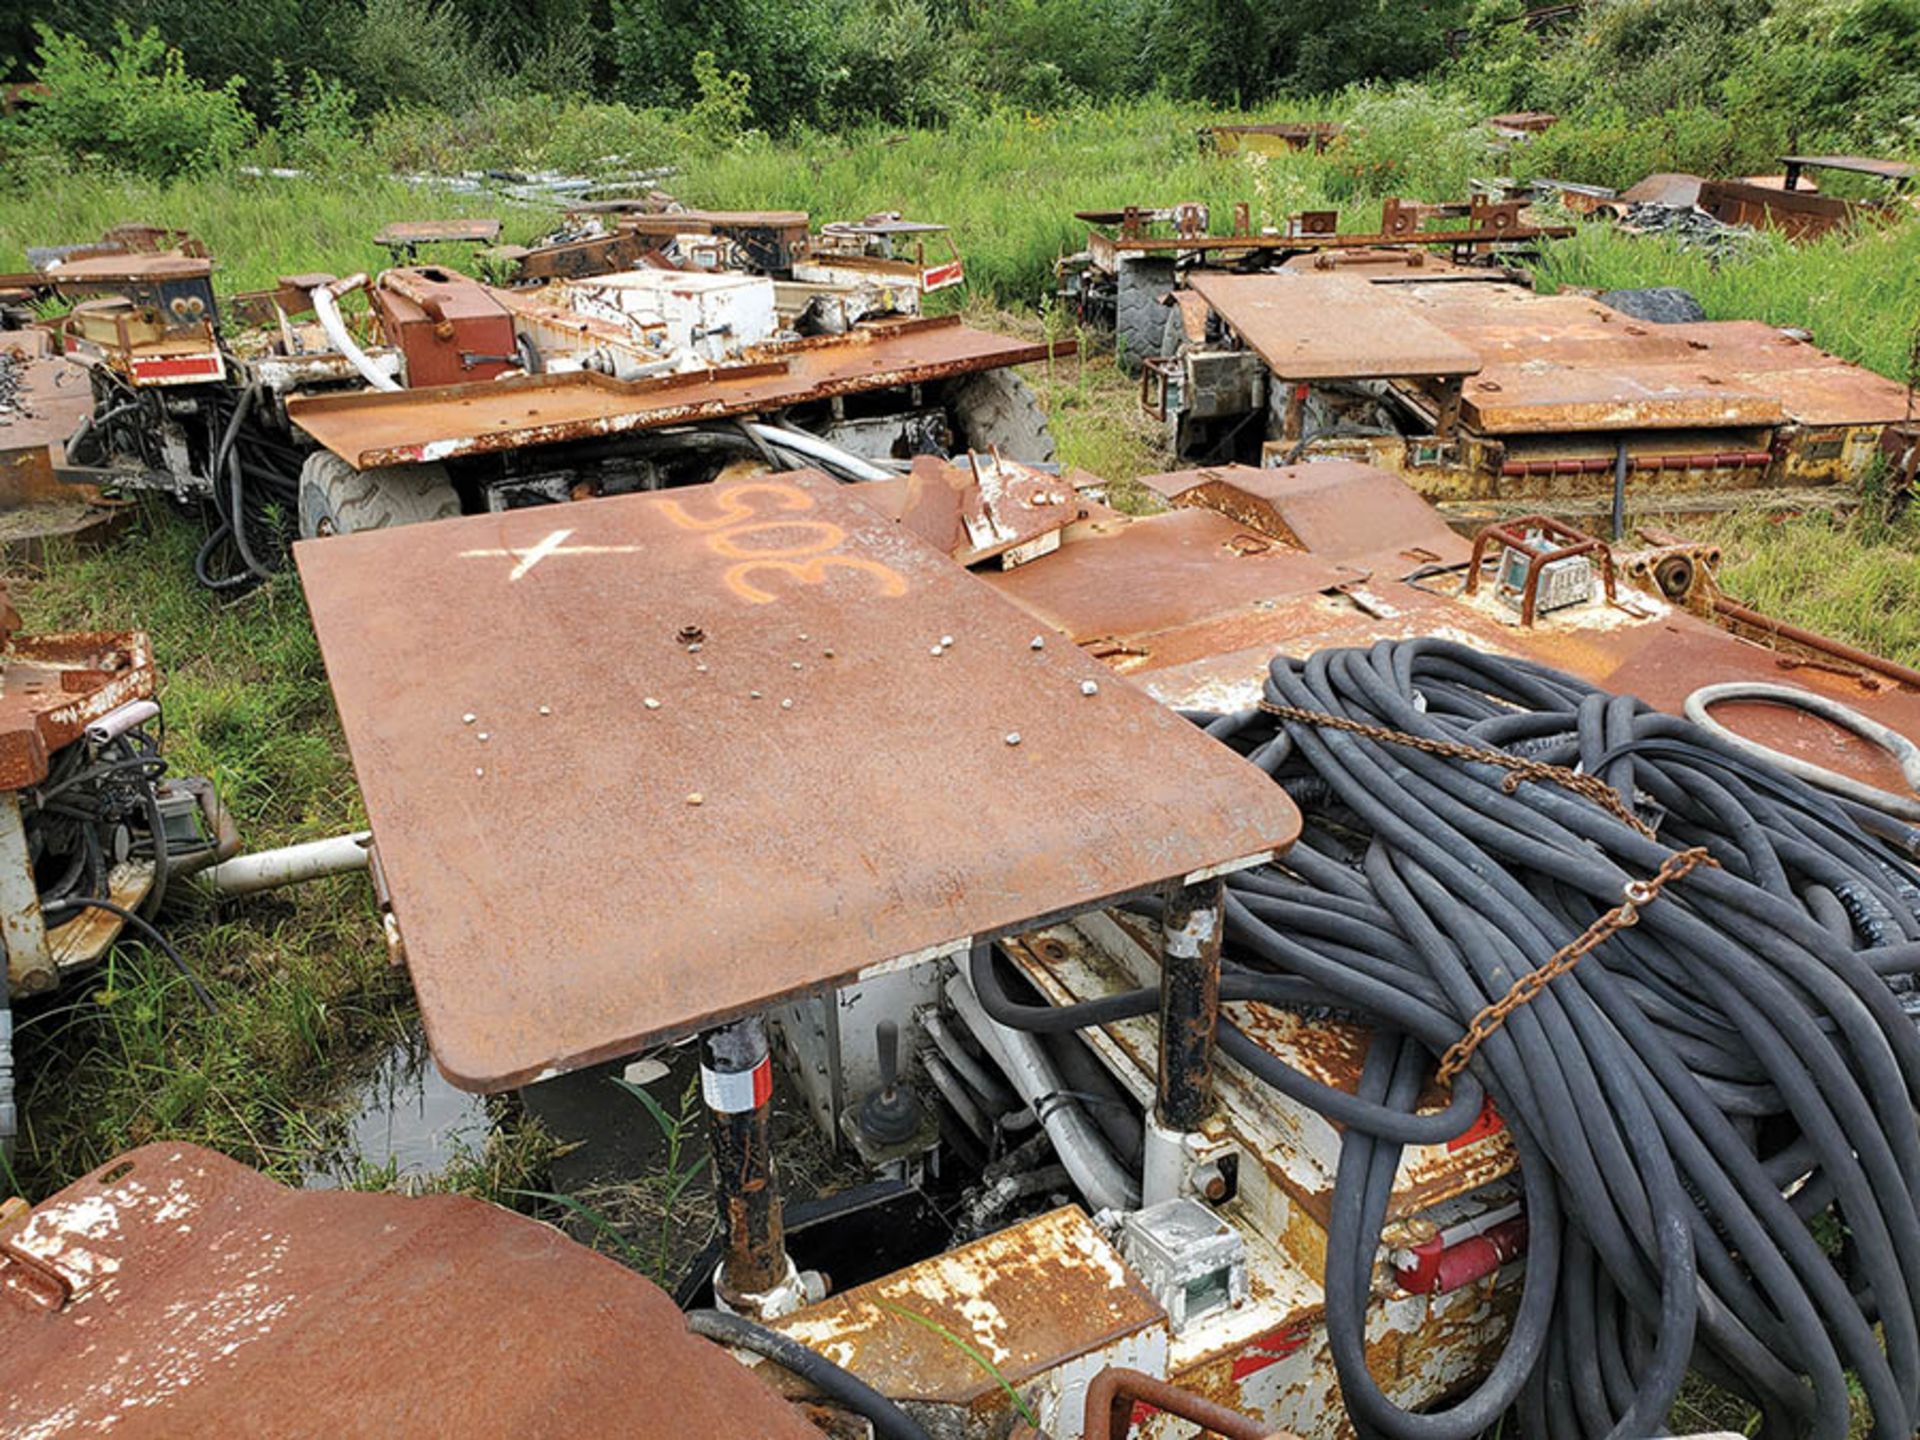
[1113, 1394]
[30, 967]
[1189, 1003]
[736, 1081]
[1813, 640]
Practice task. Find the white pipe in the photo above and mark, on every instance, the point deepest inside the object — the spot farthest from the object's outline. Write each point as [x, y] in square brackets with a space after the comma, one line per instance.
[1079, 1143]
[957, 1095]
[115, 723]
[327, 311]
[814, 448]
[291, 864]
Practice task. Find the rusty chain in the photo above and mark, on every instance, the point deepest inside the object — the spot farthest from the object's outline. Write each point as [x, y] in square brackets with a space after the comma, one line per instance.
[1518, 768]
[1638, 893]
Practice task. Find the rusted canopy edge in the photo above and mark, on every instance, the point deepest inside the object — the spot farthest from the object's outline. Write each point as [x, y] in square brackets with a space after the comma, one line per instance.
[958, 945]
[342, 422]
[1341, 240]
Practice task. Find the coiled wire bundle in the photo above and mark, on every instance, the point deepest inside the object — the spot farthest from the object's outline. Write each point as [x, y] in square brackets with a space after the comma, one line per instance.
[1714, 1110]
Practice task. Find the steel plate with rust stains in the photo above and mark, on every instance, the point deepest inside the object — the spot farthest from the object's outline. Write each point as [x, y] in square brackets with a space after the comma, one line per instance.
[401, 427]
[1332, 327]
[175, 1292]
[635, 838]
[53, 686]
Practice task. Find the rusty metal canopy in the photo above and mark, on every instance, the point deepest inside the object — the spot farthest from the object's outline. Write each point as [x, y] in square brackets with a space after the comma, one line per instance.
[372, 427]
[397, 234]
[635, 838]
[1332, 327]
[174, 1292]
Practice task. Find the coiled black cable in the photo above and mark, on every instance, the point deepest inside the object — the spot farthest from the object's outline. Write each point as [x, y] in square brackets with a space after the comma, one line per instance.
[1699, 1099]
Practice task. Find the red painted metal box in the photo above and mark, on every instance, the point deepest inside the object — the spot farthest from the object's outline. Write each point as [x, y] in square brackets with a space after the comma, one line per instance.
[449, 328]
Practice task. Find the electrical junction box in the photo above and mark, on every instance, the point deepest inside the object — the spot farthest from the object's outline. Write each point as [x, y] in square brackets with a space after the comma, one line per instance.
[1192, 1260]
[713, 317]
[1562, 582]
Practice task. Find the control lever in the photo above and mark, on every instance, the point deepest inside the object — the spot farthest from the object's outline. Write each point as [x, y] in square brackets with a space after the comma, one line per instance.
[890, 1115]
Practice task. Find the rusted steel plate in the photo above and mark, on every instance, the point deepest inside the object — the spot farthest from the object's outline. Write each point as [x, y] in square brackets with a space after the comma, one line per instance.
[1331, 507]
[369, 428]
[1548, 398]
[1204, 642]
[1310, 326]
[982, 508]
[1564, 363]
[1894, 170]
[397, 233]
[1109, 594]
[813, 791]
[1031, 1298]
[175, 1292]
[53, 686]
[54, 397]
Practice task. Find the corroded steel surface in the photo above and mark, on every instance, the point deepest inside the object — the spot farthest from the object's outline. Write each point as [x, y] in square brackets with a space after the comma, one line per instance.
[370, 428]
[398, 234]
[1030, 1298]
[1564, 363]
[683, 836]
[53, 686]
[1331, 507]
[1204, 637]
[982, 507]
[175, 1292]
[1311, 326]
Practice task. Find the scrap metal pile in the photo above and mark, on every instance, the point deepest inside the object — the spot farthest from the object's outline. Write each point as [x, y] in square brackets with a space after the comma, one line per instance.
[1431, 1027]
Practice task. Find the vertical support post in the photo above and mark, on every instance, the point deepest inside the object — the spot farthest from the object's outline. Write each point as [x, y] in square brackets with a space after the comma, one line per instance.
[30, 964]
[1189, 1015]
[1189, 1004]
[736, 1081]
[1620, 490]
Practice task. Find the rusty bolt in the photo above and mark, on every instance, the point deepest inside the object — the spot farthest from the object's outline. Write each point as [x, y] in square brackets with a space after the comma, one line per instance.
[1089, 687]
[1039, 642]
[690, 635]
[651, 703]
[546, 710]
[468, 718]
[1013, 737]
[696, 798]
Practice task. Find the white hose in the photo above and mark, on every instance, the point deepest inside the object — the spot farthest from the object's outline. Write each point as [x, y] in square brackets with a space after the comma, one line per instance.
[1076, 1139]
[812, 447]
[291, 864]
[326, 308]
[1903, 750]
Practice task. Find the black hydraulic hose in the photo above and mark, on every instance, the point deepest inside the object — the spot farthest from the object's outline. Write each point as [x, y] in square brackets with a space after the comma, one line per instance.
[1687, 1103]
[889, 1421]
[229, 458]
[148, 932]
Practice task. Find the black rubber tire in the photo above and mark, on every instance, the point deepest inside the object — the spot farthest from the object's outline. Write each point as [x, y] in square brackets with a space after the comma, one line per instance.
[997, 410]
[1173, 336]
[336, 499]
[1658, 305]
[1140, 320]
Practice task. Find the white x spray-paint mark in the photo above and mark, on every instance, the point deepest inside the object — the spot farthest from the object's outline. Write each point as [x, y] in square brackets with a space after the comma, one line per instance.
[552, 545]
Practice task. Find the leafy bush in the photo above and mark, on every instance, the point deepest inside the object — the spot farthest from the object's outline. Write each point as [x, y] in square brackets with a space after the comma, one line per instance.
[897, 64]
[785, 48]
[314, 127]
[135, 107]
[525, 131]
[419, 52]
[1606, 147]
[1409, 140]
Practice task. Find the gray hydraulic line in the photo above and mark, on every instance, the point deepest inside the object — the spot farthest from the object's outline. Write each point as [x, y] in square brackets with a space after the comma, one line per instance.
[9, 1113]
[954, 1091]
[982, 1081]
[1907, 807]
[1076, 1139]
[820, 451]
